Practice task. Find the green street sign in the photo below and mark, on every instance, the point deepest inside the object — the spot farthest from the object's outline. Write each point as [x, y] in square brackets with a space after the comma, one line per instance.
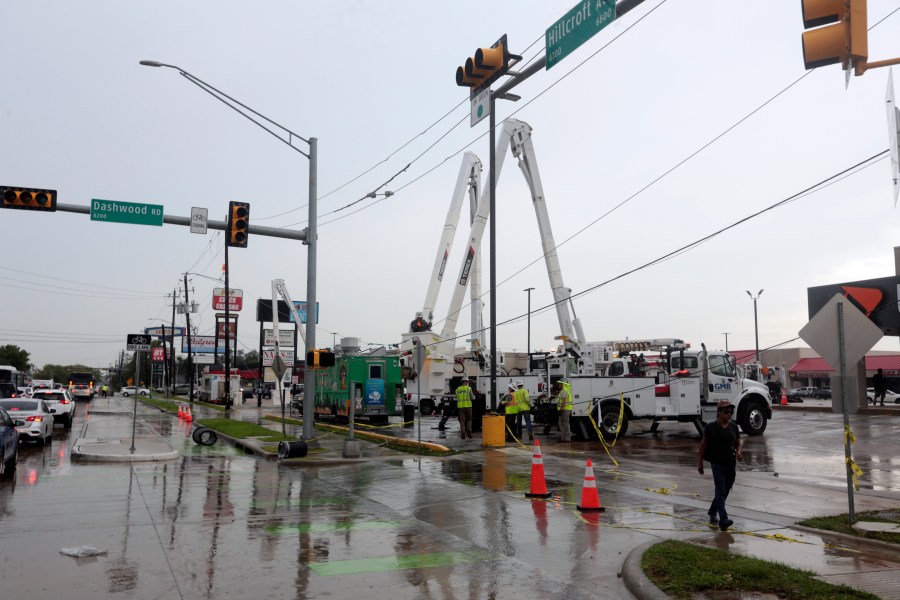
[114, 211]
[576, 27]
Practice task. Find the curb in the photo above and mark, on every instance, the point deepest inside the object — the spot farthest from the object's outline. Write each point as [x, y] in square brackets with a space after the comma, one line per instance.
[633, 575]
[851, 539]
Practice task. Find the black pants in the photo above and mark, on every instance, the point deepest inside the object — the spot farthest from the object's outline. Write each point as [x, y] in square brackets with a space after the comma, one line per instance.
[449, 411]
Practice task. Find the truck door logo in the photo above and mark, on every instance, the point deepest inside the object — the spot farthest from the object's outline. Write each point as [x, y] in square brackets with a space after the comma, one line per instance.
[722, 387]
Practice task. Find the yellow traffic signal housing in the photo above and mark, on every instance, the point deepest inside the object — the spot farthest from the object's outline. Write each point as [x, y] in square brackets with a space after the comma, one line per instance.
[28, 198]
[486, 67]
[312, 359]
[843, 36]
[238, 224]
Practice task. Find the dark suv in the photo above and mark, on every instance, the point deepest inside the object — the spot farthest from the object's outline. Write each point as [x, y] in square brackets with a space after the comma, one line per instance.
[823, 393]
[8, 390]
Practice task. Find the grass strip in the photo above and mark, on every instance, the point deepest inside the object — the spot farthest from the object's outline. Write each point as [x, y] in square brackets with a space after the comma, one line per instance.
[841, 524]
[242, 429]
[165, 405]
[364, 435]
[681, 570]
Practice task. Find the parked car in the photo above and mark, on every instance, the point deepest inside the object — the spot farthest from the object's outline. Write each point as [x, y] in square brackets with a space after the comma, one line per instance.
[823, 393]
[132, 390]
[808, 391]
[34, 414]
[9, 444]
[62, 401]
[889, 397]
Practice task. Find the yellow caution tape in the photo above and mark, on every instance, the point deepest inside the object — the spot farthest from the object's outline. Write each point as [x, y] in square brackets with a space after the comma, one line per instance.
[848, 435]
[663, 491]
[855, 472]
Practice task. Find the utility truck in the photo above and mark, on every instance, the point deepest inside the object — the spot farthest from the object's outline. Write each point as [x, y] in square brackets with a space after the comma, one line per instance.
[677, 383]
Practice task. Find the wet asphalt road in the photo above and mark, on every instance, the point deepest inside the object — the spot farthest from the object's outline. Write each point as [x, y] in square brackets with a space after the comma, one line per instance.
[216, 524]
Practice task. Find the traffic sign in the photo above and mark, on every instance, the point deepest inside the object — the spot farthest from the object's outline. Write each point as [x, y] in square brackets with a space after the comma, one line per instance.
[576, 27]
[163, 331]
[198, 219]
[114, 211]
[137, 341]
[481, 106]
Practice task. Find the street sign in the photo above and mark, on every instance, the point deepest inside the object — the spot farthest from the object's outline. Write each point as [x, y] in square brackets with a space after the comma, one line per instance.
[198, 219]
[481, 106]
[137, 341]
[114, 211]
[235, 303]
[419, 357]
[576, 27]
[821, 333]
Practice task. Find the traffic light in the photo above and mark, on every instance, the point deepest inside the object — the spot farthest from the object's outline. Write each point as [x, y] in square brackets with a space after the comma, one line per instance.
[842, 39]
[238, 224]
[28, 198]
[326, 358]
[486, 67]
[319, 359]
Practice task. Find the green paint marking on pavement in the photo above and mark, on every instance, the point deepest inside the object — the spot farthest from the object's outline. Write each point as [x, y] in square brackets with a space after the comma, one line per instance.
[394, 563]
[325, 527]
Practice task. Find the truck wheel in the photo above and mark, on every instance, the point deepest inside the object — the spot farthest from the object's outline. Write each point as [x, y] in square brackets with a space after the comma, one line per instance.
[753, 419]
[608, 423]
[426, 407]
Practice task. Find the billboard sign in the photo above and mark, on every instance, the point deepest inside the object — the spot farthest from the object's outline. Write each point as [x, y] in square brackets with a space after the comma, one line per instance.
[268, 357]
[158, 354]
[876, 298]
[235, 304]
[202, 344]
[286, 337]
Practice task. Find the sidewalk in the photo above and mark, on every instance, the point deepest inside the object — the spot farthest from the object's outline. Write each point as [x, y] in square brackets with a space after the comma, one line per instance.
[110, 439]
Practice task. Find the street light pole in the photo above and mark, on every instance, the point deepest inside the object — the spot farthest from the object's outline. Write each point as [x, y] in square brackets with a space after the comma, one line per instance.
[311, 230]
[755, 321]
[725, 333]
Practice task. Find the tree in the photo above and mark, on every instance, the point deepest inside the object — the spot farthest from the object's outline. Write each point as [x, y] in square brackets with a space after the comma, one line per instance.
[15, 357]
[60, 373]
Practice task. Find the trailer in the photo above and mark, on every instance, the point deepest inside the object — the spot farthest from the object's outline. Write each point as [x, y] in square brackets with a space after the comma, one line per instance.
[369, 385]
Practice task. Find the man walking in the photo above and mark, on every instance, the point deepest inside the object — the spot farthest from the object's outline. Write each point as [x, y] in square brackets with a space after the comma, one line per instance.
[880, 387]
[511, 408]
[564, 400]
[721, 447]
[464, 407]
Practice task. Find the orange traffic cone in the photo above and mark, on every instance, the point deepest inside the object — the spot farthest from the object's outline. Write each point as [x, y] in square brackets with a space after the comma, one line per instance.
[590, 498]
[187, 415]
[538, 485]
[784, 401]
[180, 412]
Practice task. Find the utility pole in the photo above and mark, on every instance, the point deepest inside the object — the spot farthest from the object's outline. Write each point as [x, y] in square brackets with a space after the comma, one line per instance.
[171, 384]
[725, 333]
[187, 316]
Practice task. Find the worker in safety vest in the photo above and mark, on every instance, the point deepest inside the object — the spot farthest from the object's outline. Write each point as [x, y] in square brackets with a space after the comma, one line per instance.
[511, 408]
[523, 402]
[464, 397]
[564, 403]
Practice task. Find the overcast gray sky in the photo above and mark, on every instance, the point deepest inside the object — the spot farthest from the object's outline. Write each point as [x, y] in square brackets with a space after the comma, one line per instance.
[81, 116]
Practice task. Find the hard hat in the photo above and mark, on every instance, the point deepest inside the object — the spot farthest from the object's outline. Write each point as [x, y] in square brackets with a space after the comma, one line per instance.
[511, 386]
[723, 404]
[466, 379]
[520, 383]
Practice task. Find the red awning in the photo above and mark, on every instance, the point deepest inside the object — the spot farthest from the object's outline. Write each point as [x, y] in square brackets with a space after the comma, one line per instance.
[819, 367]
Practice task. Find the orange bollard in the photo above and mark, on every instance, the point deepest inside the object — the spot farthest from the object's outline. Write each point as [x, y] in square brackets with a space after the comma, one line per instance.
[590, 498]
[538, 485]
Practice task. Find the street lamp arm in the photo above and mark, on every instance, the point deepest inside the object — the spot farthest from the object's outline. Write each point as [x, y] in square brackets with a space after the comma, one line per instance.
[222, 96]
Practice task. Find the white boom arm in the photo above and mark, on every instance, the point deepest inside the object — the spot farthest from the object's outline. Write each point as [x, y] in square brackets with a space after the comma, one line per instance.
[468, 182]
[523, 149]
[278, 287]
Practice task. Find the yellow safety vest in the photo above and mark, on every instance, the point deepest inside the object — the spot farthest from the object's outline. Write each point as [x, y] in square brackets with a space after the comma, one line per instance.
[463, 396]
[522, 400]
[565, 397]
[511, 408]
